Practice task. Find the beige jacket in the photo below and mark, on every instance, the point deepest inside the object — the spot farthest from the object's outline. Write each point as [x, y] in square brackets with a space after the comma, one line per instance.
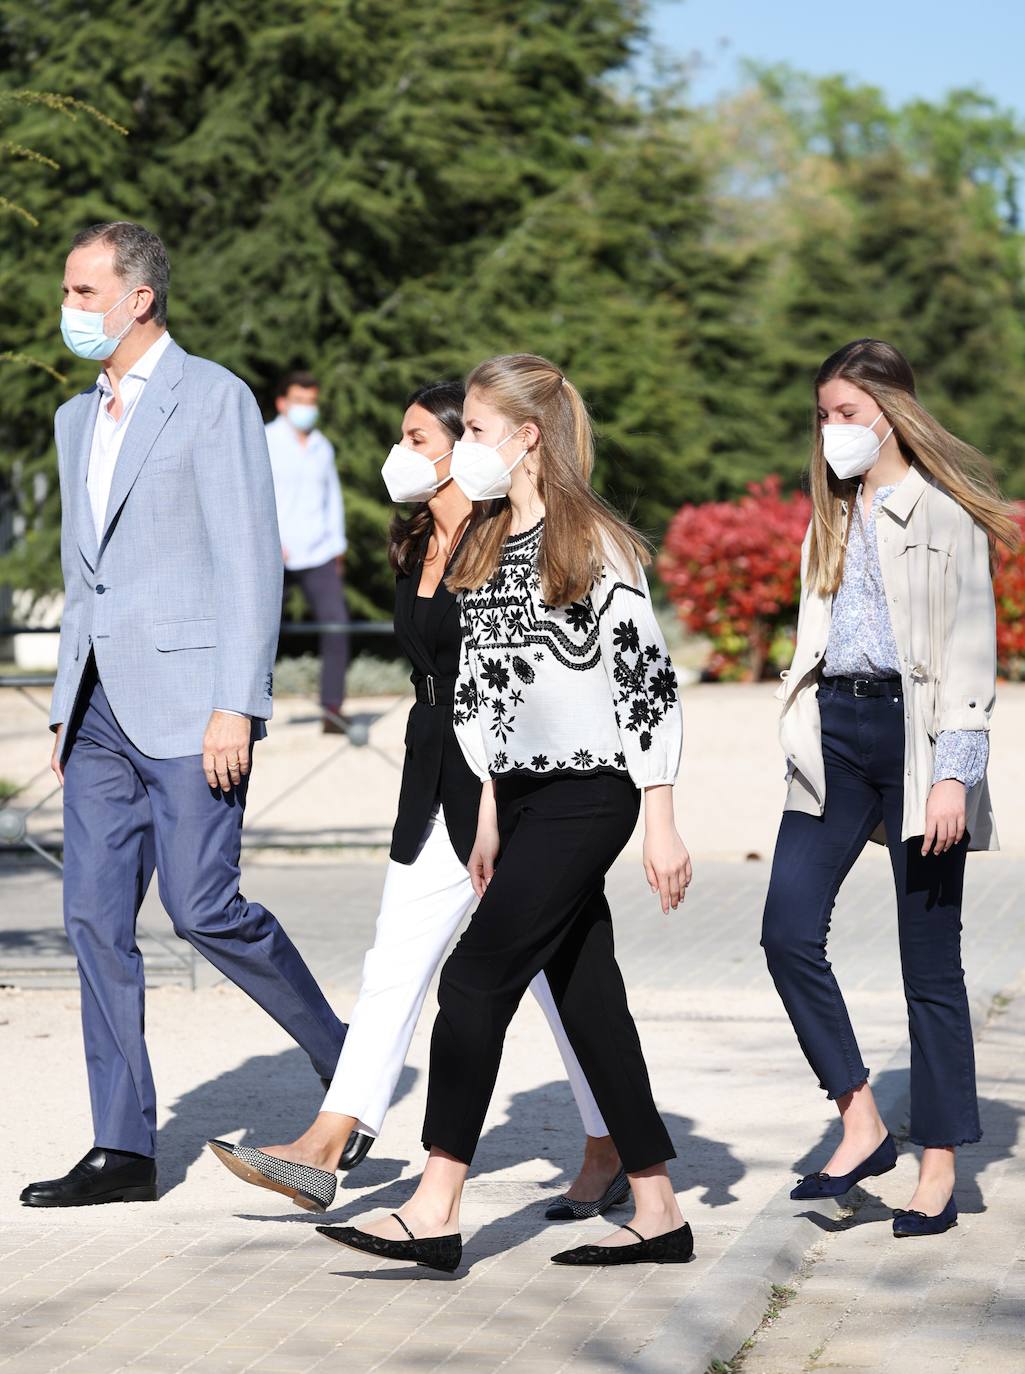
[935, 565]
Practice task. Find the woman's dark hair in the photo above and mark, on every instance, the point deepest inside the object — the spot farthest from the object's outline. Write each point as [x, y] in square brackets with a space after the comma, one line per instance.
[408, 534]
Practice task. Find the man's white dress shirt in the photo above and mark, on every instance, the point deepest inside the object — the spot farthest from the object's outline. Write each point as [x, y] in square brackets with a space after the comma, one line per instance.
[311, 511]
[109, 434]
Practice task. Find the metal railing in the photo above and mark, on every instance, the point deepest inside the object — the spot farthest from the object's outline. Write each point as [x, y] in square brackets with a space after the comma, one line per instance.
[15, 828]
[356, 733]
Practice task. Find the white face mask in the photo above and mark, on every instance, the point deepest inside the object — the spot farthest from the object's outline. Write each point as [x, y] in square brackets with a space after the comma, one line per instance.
[409, 476]
[851, 450]
[478, 470]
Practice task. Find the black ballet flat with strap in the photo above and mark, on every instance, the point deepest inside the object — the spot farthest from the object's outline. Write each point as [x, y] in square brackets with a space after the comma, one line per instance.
[675, 1247]
[433, 1252]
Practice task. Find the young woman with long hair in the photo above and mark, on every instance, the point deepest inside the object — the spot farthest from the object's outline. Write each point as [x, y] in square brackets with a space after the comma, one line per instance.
[567, 709]
[885, 720]
[427, 889]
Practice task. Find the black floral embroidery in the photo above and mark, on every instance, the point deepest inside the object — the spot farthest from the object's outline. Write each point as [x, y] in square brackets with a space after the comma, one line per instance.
[491, 626]
[625, 637]
[579, 615]
[663, 685]
[511, 628]
[640, 714]
[495, 674]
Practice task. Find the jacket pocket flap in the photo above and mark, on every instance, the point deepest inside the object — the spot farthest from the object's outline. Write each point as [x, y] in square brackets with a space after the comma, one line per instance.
[939, 541]
[185, 634]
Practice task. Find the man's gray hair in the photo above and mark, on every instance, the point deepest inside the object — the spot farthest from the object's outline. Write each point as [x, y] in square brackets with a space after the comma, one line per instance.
[140, 258]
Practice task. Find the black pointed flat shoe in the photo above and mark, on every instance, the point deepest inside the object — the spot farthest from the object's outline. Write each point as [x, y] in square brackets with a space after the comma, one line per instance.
[357, 1147]
[432, 1252]
[310, 1188]
[882, 1159]
[910, 1223]
[675, 1247]
[569, 1209]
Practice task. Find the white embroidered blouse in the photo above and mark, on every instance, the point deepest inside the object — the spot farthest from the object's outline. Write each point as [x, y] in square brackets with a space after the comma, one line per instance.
[584, 688]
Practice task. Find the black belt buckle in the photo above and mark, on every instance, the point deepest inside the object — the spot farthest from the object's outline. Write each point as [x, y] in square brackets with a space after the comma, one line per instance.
[431, 698]
[860, 683]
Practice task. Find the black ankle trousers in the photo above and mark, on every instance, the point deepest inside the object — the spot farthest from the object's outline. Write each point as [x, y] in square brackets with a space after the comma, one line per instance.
[545, 908]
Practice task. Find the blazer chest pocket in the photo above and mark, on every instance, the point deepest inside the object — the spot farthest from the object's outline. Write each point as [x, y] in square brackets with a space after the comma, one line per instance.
[157, 464]
[170, 635]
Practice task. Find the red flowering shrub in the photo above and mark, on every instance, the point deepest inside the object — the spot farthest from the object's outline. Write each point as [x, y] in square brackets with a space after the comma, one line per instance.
[733, 572]
[1009, 589]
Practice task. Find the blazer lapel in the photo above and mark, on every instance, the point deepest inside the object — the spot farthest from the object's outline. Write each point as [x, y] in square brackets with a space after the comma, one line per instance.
[152, 411]
[405, 591]
[81, 424]
[447, 605]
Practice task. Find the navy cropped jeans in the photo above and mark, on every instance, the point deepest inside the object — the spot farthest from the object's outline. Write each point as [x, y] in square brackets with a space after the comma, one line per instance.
[863, 750]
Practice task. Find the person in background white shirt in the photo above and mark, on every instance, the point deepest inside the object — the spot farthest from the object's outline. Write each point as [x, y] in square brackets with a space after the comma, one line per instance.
[311, 521]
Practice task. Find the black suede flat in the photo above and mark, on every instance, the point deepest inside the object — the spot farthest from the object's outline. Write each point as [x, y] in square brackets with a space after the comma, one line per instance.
[675, 1247]
[433, 1252]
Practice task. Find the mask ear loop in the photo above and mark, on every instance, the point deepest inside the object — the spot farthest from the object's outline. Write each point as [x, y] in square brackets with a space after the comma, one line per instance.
[114, 307]
[445, 480]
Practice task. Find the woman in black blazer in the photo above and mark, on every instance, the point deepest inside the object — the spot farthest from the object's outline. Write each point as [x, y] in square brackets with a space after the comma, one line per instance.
[427, 891]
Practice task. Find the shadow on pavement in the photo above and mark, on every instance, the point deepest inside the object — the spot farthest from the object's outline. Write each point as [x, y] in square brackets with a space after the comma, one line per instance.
[543, 1111]
[271, 1098]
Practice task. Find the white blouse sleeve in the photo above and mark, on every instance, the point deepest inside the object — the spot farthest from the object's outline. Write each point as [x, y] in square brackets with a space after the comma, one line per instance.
[466, 715]
[640, 673]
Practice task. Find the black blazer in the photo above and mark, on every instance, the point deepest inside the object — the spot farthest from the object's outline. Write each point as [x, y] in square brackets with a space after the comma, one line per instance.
[434, 761]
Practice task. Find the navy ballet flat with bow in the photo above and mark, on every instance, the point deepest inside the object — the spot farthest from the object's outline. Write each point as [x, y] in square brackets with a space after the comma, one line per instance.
[880, 1161]
[918, 1224]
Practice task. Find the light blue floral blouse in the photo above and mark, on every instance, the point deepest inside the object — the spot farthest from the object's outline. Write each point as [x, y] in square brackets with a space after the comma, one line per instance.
[861, 642]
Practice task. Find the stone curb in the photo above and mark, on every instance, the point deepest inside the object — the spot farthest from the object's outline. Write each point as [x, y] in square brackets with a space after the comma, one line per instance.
[715, 1321]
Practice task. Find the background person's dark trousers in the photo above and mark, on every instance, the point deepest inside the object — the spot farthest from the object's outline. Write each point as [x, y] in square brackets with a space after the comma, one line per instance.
[324, 589]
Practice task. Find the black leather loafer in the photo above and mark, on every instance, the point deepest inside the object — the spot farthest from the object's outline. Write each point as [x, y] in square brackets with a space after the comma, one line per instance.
[675, 1247]
[432, 1252]
[95, 1180]
[357, 1147]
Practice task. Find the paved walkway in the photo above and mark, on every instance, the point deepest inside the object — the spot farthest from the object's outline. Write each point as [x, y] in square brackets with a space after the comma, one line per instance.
[218, 1277]
[864, 1302]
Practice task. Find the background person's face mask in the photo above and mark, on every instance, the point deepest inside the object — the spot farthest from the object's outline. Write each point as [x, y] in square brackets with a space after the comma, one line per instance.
[82, 331]
[302, 417]
[478, 470]
[410, 476]
[850, 450]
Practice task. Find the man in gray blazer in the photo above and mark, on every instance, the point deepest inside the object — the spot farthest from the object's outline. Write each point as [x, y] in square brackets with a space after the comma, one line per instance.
[172, 575]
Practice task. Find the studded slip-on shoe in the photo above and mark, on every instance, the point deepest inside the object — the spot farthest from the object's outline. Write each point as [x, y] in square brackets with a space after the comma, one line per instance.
[569, 1209]
[310, 1188]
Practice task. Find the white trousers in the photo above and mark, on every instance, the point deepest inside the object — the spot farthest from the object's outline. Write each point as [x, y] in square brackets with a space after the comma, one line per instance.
[422, 907]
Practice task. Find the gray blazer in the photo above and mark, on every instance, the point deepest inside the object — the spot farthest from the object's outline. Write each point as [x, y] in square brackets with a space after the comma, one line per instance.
[181, 600]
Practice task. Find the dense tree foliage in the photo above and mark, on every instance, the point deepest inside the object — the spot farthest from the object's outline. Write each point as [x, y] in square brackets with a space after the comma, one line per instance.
[389, 191]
